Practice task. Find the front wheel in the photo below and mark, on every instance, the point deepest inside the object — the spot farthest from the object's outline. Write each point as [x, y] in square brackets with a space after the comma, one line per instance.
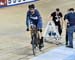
[34, 44]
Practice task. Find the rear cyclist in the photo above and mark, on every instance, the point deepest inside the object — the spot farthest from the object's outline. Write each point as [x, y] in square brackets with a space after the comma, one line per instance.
[33, 17]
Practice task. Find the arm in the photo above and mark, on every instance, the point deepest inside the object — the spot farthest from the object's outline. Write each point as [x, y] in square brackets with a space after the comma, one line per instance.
[39, 16]
[51, 16]
[66, 20]
[27, 20]
[61, 20]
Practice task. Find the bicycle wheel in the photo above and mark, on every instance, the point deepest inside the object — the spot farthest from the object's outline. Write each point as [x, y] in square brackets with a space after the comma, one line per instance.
[34, 44]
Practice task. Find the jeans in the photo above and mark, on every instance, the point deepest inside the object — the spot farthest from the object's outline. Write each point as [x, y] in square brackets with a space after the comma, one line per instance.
[70, 31]
[66, 37]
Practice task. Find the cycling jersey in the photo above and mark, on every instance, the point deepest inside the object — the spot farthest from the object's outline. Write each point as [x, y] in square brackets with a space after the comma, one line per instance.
[34, 19]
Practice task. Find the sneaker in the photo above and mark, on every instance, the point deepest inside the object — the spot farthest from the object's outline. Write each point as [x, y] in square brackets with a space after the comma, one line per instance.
[69, 46]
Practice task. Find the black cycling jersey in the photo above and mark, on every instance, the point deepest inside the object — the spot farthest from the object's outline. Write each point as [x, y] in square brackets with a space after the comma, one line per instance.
[56, 17]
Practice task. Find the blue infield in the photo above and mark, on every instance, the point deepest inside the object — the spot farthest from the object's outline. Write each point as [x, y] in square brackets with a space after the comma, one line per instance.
[60, 53]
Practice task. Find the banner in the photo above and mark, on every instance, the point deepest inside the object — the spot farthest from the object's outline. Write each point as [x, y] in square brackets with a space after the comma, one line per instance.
[3, 3]
[13, 2]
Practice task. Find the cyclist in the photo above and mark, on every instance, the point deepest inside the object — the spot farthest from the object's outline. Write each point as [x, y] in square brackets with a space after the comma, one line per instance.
[33, 17]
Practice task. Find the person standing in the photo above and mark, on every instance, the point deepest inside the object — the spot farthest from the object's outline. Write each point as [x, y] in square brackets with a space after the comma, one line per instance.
[70, 20]
[56, 16]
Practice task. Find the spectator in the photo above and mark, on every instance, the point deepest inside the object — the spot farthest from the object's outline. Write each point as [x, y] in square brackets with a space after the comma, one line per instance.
[70, 19]
[57, 18]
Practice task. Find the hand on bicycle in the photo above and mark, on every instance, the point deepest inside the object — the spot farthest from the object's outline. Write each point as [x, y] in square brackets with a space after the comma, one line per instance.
[27, 29]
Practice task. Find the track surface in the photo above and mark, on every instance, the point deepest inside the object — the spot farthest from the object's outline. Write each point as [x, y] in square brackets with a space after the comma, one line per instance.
[14, 40]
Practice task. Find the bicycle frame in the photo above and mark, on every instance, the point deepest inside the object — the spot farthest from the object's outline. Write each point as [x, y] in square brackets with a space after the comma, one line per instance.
[35, 38]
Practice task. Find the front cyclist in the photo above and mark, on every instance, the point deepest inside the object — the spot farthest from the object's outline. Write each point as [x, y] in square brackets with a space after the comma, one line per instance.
[33, 17]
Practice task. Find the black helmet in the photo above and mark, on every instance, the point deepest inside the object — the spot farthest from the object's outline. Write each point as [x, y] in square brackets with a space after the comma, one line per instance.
[32, 6]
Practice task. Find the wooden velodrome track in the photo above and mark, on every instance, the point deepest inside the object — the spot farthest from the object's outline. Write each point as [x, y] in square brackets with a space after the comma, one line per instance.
[14, 40]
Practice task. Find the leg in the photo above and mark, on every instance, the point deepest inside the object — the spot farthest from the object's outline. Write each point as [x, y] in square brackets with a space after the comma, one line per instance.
[41, 37]
[39, 26]
[31, 35]
[70, 36]
[41, 40]
[66, 38]
[59, 28]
